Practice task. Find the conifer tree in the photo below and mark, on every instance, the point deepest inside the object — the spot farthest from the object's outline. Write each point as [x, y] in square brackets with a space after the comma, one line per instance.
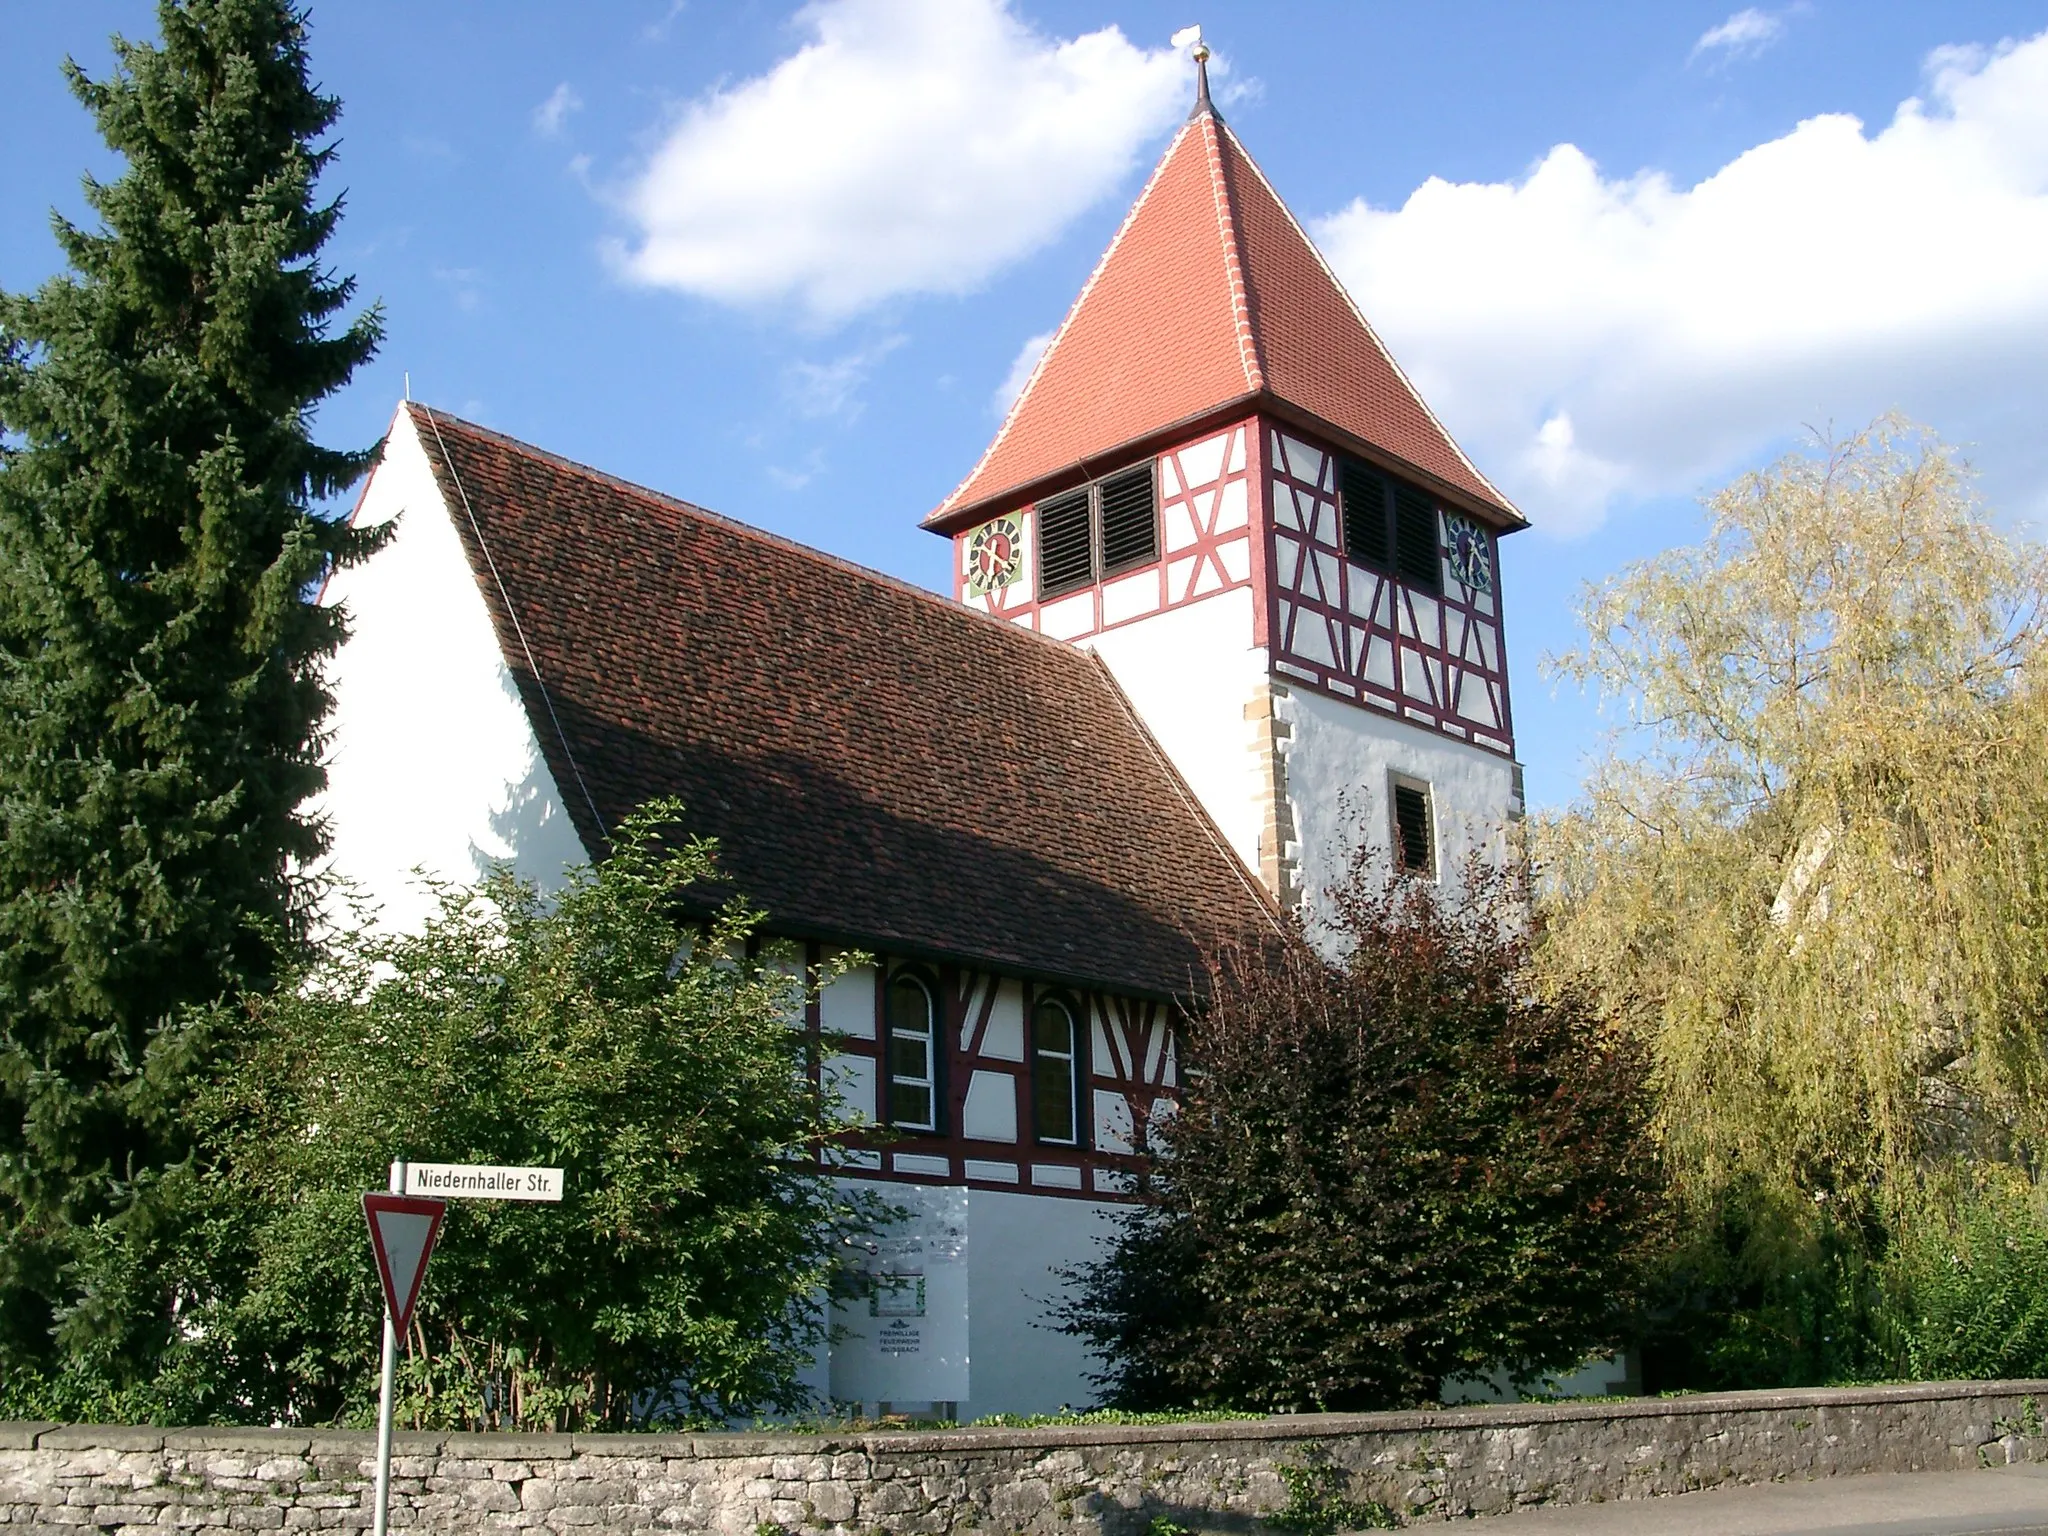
[161, 700]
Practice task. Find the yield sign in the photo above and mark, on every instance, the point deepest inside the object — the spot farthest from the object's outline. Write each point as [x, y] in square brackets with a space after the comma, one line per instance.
[402, 1230]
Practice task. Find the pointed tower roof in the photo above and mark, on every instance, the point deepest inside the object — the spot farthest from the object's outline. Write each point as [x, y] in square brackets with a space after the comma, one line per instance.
[1211, 297]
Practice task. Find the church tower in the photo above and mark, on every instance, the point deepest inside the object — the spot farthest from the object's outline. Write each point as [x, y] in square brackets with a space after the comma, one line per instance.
[1219, 480]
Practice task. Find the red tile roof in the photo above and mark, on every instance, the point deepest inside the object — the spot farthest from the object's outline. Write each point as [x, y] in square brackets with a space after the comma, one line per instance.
[881, 767]
[1211, 294]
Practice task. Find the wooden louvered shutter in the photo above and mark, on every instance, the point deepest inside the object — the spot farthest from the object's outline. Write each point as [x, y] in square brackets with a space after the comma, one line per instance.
[1364, 495]
[1418, 549]
[1065, 559]
[1414, 837]
[1130, 524]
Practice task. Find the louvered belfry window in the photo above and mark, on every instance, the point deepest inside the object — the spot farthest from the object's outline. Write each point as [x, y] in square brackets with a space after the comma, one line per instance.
[1130, 526]
[1096, 530]
[1367, 532]
[1066, 556]
[1390, 526]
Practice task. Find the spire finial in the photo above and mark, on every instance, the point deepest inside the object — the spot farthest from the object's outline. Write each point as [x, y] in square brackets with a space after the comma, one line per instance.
[1182, 39]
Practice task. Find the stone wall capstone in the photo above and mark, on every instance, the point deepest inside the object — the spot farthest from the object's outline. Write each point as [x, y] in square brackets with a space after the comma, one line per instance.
[1223, 1477]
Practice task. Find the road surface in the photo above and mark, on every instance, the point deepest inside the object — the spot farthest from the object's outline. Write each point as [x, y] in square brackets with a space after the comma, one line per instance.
[2007, 1501]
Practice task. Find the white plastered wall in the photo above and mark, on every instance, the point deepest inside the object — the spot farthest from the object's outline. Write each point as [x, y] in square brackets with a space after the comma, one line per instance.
[1340, 762]
[1018, 1360]
[434, 763]
[1190, 672]
[1021, 1363]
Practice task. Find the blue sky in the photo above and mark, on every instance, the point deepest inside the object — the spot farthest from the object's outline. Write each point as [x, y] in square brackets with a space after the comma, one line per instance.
[780, 261]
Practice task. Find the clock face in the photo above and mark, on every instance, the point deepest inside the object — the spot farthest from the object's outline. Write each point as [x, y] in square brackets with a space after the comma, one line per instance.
[995, 555]
[1471, 557]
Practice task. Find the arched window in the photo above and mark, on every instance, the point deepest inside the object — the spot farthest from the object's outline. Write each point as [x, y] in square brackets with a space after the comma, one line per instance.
[913, 1054]
[1055, 1072]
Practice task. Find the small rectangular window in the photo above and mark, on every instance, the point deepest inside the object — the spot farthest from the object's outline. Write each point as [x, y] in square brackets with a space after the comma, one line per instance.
[1130, 526]
[1414, 828]
[1065, 560]
[1055, 1059]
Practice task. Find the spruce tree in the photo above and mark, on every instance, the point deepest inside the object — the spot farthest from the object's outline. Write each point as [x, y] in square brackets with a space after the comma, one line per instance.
[161, 652]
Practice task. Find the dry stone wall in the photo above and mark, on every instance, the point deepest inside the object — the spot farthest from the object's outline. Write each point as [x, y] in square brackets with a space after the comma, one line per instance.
[1222, 1477]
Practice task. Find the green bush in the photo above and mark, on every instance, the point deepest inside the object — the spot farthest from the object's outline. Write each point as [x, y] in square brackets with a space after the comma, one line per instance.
[1762, 1293]
[1949, 1283]
[600, 1031]
[1967, 1285]
[1384, 1170]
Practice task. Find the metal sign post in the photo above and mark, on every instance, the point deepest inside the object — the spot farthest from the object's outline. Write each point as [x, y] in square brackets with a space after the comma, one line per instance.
[403, 1225]
[387, 1389]
[402, 1232]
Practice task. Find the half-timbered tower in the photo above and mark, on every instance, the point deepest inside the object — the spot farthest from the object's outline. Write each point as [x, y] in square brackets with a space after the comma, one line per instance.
[1219, 481]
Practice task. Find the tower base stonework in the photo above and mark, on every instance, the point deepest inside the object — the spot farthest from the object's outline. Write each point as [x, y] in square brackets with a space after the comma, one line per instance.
[1279, 848]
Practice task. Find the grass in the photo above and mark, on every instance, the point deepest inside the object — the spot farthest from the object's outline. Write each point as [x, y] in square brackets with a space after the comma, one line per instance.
[1094, 1416]
[1066, 1418]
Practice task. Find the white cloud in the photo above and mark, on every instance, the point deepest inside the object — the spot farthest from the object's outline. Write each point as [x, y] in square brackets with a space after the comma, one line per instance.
[658, 31]
[1567, 473]
[1744, 35]
[909, 146]
[786, 478]
[832, 388]
[1232, 92]
[551, 114]
[464, 284]
[1592, 338]
[1020, 371]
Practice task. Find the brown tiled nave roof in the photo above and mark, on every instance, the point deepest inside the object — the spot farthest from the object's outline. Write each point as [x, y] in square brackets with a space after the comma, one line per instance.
[880, 766]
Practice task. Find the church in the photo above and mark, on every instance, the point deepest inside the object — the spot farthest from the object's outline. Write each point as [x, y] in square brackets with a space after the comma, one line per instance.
[1226, 603]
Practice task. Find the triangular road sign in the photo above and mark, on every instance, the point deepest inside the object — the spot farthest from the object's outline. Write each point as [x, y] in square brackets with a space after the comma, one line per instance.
[402, 1231]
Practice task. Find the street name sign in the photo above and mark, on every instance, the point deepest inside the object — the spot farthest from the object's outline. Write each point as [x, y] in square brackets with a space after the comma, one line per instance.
[402, 1232]
[481, 1181]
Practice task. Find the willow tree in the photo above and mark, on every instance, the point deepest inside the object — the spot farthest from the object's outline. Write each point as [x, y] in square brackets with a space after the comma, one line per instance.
[1813, 872]
[160, 691]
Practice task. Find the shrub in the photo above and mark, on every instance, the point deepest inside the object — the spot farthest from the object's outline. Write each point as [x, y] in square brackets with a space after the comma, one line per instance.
[600, 1031]
[1756, 1295]
[1967, 1285]
[1385, 1169]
